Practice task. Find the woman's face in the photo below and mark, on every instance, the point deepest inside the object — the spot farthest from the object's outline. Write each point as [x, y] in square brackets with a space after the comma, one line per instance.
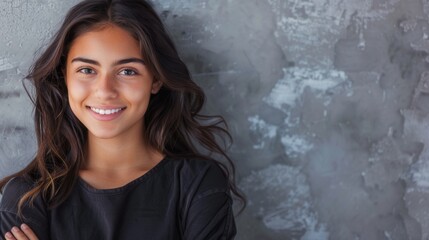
[108, 83]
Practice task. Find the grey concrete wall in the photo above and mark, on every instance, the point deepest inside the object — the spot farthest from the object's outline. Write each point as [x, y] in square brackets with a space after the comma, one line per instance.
[327, 101]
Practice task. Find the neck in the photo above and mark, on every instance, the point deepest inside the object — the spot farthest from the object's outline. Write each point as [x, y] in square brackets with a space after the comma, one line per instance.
[119, 155]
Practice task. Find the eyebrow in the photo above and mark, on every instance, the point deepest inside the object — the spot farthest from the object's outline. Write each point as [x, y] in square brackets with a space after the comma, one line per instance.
[119, 62]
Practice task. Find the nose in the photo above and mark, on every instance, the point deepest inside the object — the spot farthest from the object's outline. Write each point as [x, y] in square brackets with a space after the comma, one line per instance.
[106, 87]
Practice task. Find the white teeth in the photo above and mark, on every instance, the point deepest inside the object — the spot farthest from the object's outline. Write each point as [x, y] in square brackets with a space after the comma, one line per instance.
[105, 111]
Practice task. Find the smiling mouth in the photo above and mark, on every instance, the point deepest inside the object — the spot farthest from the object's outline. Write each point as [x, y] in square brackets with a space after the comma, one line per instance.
[106, 111]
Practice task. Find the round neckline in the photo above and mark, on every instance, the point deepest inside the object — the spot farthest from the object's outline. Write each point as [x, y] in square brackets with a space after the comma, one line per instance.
[151, 171]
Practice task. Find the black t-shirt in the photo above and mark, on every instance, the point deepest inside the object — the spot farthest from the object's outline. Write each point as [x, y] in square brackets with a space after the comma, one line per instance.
[177, 199]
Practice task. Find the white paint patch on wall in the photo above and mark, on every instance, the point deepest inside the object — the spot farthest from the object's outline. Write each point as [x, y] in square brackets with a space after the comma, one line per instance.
[282, 196]
[289, 89]
[420, 173]
[5, 64]
[264, 130]
[415, 126]
[311, 28]
[307, 30]
[335, 11]
[296, 145]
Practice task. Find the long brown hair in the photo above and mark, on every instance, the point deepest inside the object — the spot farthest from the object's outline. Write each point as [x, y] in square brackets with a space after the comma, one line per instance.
[173, 122]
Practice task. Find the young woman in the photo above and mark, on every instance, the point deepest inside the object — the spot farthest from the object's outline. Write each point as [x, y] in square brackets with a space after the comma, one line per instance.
[123, 151]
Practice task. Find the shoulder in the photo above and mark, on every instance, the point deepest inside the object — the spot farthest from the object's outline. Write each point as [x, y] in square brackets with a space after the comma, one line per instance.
[13, 191]
[200, 169]
[199, 177]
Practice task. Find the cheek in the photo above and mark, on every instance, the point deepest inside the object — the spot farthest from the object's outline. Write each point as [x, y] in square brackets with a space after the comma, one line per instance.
[77, 92]
[137, 94]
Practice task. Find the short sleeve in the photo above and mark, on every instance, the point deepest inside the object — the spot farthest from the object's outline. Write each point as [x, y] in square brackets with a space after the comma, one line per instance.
[210, 215]
[35, 215]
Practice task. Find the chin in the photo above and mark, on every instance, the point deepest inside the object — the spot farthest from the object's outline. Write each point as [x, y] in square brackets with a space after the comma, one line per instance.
[103, 134]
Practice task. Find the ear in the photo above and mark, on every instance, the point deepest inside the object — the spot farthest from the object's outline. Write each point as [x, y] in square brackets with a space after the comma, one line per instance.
[156, 85]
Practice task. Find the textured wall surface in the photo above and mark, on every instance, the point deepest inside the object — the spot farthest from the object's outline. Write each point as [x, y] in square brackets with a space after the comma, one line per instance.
[328, 102]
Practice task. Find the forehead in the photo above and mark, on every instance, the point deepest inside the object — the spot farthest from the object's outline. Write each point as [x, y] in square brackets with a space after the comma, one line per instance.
[107, 42]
